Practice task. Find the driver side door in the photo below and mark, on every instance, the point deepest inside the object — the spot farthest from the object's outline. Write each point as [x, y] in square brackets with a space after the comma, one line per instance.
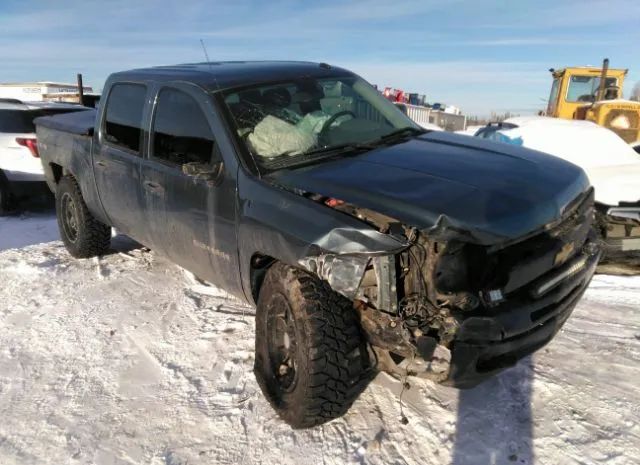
[182, 186]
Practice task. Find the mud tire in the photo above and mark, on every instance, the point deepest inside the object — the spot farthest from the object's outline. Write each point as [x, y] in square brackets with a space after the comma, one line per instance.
[82, 234]
[332, 366]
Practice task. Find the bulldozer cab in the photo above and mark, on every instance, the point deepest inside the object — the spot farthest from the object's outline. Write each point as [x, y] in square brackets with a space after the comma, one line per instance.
[595, 94]
[575, 88]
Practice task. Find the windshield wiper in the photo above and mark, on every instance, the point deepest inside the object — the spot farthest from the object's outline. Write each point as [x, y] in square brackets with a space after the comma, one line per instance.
[400, 133]
[313, 156]
[341, 148]
[286, 160]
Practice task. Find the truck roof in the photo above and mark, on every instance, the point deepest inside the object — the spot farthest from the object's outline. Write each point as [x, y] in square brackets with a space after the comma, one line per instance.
[221, 75]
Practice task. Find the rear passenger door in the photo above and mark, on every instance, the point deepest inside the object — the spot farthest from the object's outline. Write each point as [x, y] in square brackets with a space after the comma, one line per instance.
[116, 160]
[191, 218]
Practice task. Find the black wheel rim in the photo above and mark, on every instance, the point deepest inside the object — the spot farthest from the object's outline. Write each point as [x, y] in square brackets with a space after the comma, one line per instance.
[282, 343]
[69, 217]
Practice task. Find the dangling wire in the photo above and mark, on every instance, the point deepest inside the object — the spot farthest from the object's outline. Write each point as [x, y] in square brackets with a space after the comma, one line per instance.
[405, 385]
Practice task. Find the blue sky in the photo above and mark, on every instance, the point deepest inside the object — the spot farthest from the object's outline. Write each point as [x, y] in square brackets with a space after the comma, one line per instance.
[483, 56]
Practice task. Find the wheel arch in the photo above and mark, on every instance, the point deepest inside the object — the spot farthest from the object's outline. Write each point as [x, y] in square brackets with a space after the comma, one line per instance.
[57, 171]
[259, 264]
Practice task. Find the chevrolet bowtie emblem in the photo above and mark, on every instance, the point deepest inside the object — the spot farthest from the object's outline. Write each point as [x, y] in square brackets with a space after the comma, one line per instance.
[564, 253]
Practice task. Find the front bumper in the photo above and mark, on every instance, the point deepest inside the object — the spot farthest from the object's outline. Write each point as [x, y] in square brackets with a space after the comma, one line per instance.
[486, 345]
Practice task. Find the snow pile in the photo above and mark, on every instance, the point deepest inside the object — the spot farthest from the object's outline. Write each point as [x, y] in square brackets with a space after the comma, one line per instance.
[581, 142]
[127, 359]
[612, 165]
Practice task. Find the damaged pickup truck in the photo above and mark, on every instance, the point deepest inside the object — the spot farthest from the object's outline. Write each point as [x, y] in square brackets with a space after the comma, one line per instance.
[367, 243]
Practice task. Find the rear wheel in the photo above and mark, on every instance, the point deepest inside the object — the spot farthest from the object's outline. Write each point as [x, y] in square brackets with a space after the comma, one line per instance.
[82, 234]
[311, 360]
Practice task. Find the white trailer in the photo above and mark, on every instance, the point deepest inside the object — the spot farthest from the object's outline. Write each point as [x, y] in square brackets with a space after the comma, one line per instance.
[42, 91]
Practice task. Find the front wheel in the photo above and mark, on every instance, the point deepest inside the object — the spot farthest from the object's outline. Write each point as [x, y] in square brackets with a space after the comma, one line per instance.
[82, 234]
[311, 359]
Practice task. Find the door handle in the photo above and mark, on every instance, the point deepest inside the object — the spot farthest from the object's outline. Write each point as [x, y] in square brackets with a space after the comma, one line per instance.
[101, 164]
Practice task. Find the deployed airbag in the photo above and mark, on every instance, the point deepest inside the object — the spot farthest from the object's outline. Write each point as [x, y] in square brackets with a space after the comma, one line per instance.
[272, 137]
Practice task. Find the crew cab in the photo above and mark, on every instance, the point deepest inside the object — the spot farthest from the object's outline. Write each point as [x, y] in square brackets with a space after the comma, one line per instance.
[366, 242]
[20, 169]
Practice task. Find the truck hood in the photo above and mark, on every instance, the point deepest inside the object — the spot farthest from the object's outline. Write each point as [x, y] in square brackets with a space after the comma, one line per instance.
[487, 191]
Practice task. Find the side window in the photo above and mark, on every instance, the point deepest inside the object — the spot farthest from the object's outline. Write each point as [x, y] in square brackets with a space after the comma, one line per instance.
[123, 120]
[181, 132]
[553, 97]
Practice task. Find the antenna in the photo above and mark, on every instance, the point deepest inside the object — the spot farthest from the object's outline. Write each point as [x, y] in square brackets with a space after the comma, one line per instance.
[206, 55]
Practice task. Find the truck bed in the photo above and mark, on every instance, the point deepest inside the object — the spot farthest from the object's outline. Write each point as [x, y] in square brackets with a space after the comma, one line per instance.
[80, 122]
[64, 143]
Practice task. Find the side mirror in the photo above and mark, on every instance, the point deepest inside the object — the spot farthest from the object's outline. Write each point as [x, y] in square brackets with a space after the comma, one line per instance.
[210, 172]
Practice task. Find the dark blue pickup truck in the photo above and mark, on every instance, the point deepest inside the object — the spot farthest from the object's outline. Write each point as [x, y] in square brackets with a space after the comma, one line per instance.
[366, 243]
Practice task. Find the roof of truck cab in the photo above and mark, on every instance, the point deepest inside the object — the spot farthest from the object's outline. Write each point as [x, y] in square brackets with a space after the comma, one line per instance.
[222, 75]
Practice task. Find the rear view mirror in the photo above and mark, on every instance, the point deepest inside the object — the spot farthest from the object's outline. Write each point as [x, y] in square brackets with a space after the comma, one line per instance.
[207, 171]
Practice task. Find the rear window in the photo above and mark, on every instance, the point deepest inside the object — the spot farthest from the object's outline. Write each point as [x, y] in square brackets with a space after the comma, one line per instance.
[21, 121]
[123, 121]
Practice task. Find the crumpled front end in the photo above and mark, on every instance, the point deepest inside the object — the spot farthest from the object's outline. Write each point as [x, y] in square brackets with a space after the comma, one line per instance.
[447, 309]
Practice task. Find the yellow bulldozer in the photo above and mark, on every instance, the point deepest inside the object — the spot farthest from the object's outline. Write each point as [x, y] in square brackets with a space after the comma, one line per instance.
[595, 94]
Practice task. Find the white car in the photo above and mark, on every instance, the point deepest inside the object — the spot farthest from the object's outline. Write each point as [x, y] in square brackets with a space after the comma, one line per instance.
[612, 165]
[20, 168]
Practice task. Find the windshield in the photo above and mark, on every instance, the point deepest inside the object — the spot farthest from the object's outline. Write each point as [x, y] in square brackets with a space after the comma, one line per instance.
[584, 88]
[286, 123]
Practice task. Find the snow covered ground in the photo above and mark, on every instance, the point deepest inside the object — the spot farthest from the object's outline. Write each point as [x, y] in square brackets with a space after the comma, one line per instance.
[130, 360]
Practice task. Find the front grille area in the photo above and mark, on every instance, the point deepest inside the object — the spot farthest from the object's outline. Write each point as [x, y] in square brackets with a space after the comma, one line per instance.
[521, 263]
[486, 345]
[494, 337]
